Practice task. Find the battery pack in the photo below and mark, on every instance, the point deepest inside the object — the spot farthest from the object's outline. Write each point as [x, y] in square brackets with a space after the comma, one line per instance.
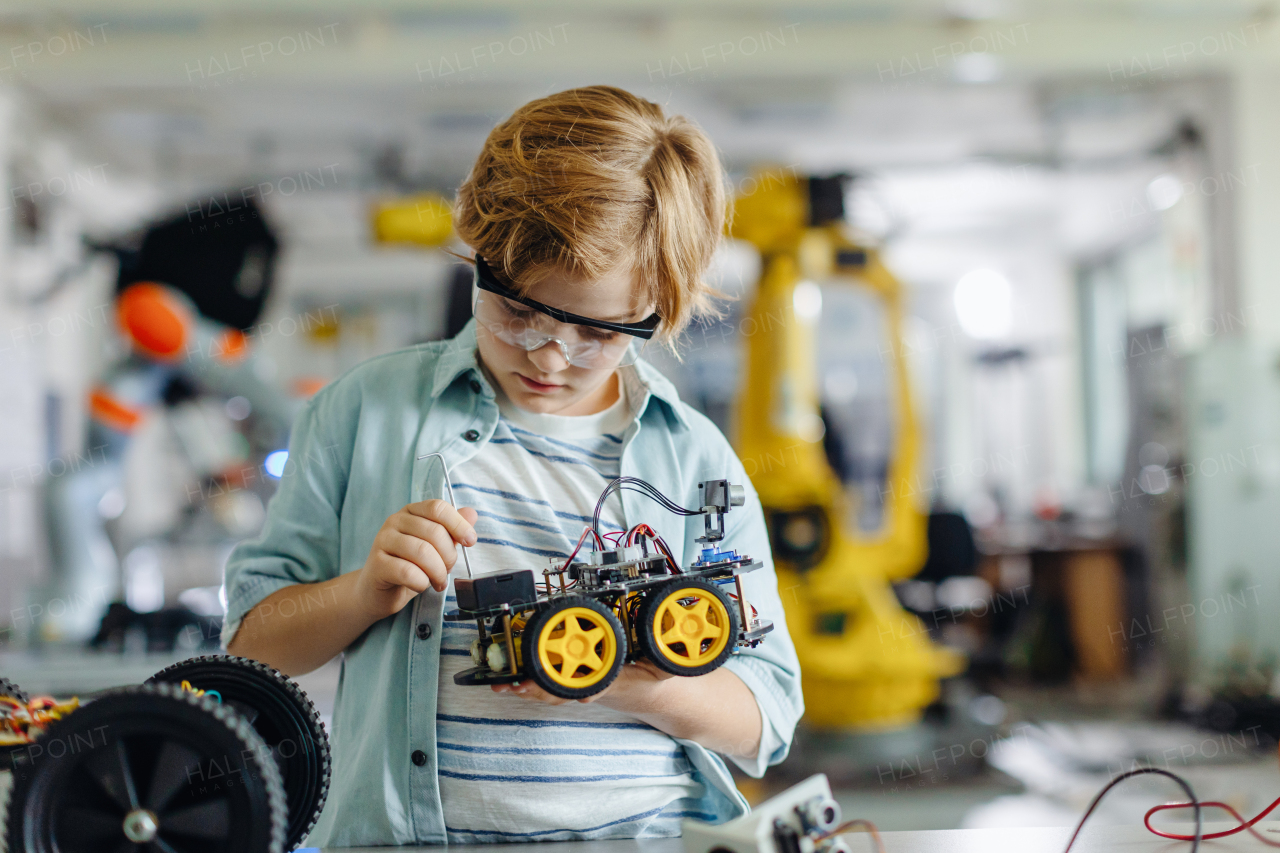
[481, 593]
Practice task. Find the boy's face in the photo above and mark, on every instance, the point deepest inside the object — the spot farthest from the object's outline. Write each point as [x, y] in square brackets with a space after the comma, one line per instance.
[543, 381]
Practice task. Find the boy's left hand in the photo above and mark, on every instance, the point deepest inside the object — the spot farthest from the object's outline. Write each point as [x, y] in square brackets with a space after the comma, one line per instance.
[635, 683]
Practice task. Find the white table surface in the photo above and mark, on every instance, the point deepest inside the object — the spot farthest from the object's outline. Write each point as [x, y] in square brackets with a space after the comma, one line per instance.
[1095, 839]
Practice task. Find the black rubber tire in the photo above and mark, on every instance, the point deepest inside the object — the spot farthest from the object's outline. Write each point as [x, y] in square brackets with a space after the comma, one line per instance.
[647, 643]
[529, 647]
[198, 766]
[283, 716]
[8, 688]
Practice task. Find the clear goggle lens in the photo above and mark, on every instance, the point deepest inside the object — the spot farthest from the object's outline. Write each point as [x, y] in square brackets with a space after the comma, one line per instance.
[582, 346]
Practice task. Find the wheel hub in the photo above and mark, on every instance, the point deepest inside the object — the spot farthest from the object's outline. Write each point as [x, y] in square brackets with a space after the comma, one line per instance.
[141, 826]
[685, 621]
[567, 647]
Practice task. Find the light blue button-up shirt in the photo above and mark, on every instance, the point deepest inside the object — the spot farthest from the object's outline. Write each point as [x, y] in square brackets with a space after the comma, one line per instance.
[354, 460]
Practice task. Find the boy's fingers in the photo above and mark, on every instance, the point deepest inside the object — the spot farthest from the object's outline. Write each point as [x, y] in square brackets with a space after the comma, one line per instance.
[440, 512]
[420, 553]
[529, 690]
[407, 574]
[433, 533]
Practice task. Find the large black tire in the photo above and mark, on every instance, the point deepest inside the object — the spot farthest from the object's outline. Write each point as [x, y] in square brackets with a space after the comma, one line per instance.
[282, 715]
[607, 648]
[156, 761]
[677, 655]
[8, 688]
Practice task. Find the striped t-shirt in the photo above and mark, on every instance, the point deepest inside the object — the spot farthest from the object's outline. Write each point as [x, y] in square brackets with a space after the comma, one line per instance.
[514, 769]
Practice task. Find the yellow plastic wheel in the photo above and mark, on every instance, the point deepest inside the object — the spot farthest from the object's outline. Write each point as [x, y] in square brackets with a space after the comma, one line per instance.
[688, 627]
[574, 648]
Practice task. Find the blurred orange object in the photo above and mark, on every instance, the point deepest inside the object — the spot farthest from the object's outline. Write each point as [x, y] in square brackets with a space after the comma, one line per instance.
[157, 321]
[307, 386]
[230, 346]
[107, 410]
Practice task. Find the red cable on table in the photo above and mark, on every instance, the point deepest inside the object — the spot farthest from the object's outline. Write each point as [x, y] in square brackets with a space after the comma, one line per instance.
[1244, 825]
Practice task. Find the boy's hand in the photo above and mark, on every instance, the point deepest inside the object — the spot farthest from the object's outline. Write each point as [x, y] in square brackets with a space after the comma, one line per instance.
[414, 549]
[637, 686]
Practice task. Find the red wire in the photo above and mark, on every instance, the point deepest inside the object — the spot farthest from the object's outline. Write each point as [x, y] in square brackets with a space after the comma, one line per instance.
[666, 551]
[639, 528]
[866, 825]
[754, 612]
[1244, 825]
[643, 529]
[577, 547]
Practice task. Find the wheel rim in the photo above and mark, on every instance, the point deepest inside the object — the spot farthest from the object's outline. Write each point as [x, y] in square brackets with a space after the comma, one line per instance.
[137, 790]
[691, 627]
[577, 647]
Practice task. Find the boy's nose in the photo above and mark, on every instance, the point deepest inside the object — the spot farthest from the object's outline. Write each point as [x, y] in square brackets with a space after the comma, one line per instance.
[549, 358]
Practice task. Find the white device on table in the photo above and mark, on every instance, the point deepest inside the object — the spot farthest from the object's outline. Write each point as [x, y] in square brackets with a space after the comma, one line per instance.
[795, 821]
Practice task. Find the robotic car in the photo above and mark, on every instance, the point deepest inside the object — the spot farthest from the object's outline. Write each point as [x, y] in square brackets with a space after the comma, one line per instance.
[215, 754]
[615, 605]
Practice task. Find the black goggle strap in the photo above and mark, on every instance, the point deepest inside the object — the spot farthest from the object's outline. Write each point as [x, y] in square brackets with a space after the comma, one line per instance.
[485, 280]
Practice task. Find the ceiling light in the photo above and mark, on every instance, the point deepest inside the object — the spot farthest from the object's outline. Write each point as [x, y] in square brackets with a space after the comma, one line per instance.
[984, 304]
[806, 299]
[1164, 192]
[977, 68]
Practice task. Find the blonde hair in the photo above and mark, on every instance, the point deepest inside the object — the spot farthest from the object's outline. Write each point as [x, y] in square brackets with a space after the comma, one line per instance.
[595, 179]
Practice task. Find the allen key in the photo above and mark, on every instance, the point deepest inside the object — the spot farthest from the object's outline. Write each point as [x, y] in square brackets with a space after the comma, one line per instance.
[449, 485]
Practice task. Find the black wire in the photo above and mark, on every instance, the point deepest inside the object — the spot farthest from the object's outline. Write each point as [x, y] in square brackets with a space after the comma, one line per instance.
[666, 552]
[635, 484]
[1191, 796]
[661, 500]
[638, 485]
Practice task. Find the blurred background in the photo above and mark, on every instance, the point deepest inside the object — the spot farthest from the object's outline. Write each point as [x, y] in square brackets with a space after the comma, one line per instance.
[1002, 358]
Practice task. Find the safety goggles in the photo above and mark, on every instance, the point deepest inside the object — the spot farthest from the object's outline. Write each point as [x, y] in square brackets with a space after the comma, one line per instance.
[530, 325]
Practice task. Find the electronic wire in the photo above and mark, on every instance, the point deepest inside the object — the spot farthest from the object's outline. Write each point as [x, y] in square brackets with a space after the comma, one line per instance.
[1141, 771]
[639, 528]
[864, 824]
[586, 531]
[666, 552]
[643, 529]
[635, 484]
[1244, 825]
[21, 723]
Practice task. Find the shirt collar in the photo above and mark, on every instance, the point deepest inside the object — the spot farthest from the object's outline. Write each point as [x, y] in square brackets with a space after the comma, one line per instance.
[459, 356]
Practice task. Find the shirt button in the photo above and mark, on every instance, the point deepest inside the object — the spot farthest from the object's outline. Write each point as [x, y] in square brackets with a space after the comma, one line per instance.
[471, 435]
[424, 631]
[419, 757]
[475, 385]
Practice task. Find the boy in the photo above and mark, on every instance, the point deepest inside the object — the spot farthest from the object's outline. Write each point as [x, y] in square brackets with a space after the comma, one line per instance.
[596, 216]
